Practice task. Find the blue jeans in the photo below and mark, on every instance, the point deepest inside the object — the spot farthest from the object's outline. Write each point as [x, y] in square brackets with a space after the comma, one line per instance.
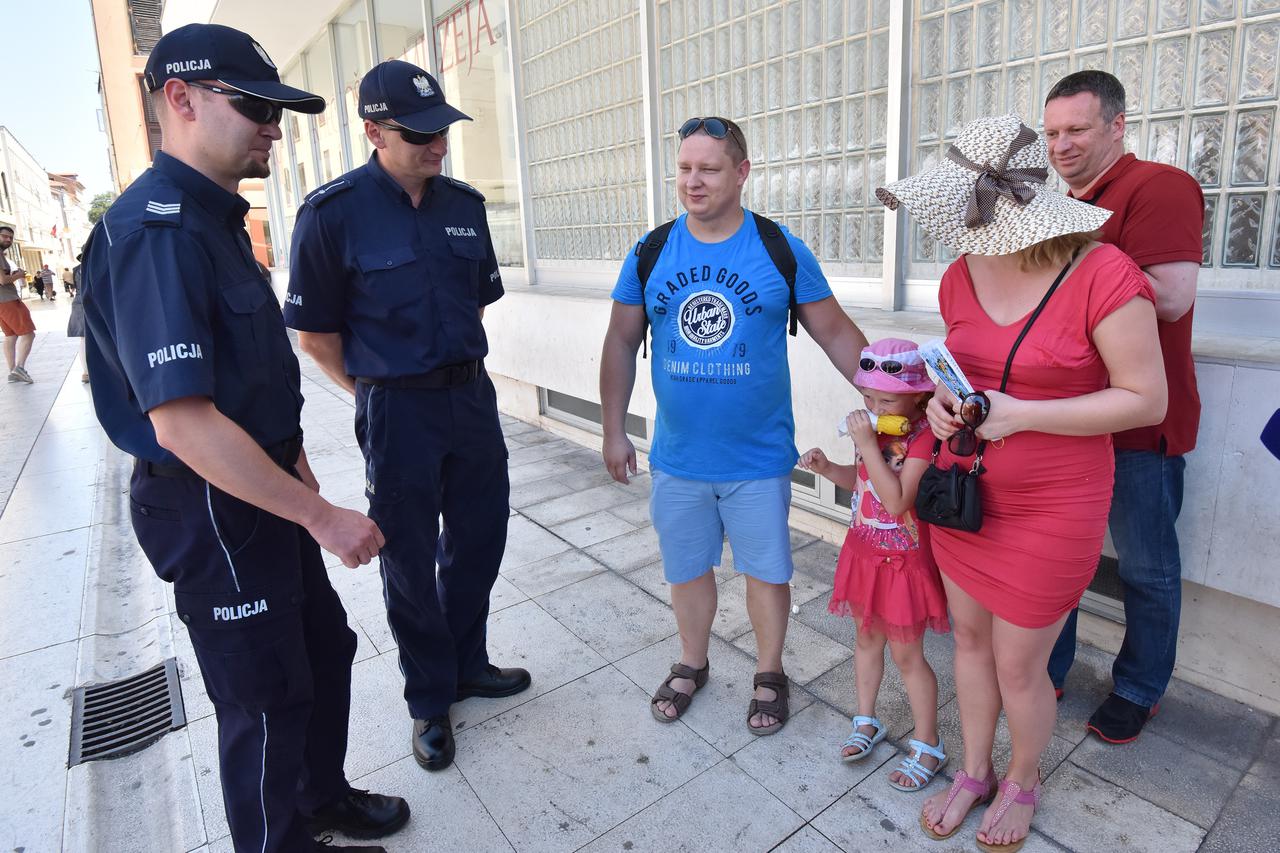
[1144, 508]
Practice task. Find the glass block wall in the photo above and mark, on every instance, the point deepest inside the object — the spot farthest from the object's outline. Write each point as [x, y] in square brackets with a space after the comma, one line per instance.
[1201, 78]
[582, 96]
[808, 82]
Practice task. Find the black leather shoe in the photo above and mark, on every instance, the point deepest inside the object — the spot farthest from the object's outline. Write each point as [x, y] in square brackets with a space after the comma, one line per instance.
[1118, 720]
[360, 814]
[433, 745]
[493, 683]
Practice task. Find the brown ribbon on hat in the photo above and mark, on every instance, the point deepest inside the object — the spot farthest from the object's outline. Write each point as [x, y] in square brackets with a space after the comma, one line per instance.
[995, 181]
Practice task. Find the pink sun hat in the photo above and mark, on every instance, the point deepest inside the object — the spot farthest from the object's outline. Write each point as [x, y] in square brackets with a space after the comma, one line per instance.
[893, 365]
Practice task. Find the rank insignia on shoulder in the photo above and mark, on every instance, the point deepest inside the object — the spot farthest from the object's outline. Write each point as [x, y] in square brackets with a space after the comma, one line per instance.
[322, 194]
[465, 187]
[163, 208]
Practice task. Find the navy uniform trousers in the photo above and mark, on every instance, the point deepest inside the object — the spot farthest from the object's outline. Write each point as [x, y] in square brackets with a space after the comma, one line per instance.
[433, 452]
[274, 649]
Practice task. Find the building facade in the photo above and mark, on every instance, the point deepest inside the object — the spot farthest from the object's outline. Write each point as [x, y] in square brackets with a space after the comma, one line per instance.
[42, 217]
[576, 106]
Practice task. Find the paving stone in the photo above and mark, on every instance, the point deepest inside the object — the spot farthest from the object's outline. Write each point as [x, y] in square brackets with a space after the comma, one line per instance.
[504, 594]
[719, 711]
[35, 714]
[443, 810]
[583, 459]
[525, 635]
[1088, 813]
[636, 512]
[807, 840]
[543, 576]
[801, 765]
[1248, 820]
[805, 589]
[42, 583]
[203, 735]
[1163, 772]
[574, 505]
[540, 452]
[379, 725]
[1267, 764]
[806, 654]
[537, 491]
[593, 528]
[581, 479]
[1088, 684]
[817, 560]
[815, 614]
[49, 503]
[561, 770]
[533, 471]
[612, 616]
[527, 542]
[628, 551]
[734, 813]
[57, 451]
[1220, 728]
[652, 580]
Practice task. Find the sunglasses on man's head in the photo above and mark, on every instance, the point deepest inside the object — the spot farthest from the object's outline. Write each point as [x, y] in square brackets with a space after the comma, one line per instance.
[716, 128]
[974, 409]
[255, 109]
[415, 137]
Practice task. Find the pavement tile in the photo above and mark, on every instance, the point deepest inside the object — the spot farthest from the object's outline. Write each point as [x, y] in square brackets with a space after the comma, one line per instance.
[1087, 685]
[527, 542]
[719, 710]
[1248, 820]
[379, 725]
[806, 654]
[801, 764]
[817, 560]
[815, 614]
[504, 594]
[204, 753]
[35, 714]
[104, 817]
[1267, 764]
[73, 448]
[612, 616]
[533, 471]
[561, 770]
[574, 505]
[537, 491]
[733, 813]
[1163, 772]
[543, 576]
[651, 579]
[805, 589]
[807, 840]
[443, 810]
[581, 478]
[1220, 728]
[874, 816]
[42, 583]
[593, 528]
[732, 619]
[49, 503]
[195, 699]
[526, 635]
[549, 449]
[628, 551]
[635, 512]
[1089, 813]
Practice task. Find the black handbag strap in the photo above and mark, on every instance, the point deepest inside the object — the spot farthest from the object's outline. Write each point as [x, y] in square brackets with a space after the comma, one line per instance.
[1008, 364]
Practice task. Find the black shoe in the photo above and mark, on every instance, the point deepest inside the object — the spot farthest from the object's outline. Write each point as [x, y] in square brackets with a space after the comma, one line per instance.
[1118, 720]
[493, 683]
[324, 845]
[433, 745]
[360, 814]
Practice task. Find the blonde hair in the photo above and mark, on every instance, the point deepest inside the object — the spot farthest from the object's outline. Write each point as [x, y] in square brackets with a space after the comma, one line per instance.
[1055, 251]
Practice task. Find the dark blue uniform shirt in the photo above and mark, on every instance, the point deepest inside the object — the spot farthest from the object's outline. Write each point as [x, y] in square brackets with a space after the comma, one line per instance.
[176, 306]
[403, 285]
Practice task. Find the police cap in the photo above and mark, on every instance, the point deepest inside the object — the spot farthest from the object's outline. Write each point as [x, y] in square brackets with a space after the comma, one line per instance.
[404, 92]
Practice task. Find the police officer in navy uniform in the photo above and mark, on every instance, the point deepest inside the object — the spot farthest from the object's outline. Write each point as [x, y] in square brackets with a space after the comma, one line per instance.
[194, 376]
[392, 265]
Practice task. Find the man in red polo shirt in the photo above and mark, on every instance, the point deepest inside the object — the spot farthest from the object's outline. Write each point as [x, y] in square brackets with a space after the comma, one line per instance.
[1158, 220]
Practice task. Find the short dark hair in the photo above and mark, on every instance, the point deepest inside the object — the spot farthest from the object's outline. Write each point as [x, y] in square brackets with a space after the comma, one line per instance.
[6, 228]
[1109, 90]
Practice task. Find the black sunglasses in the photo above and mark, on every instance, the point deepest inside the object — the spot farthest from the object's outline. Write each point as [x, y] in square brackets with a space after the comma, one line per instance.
[255, 109]
[716, 128]
[974, 409]
[415, 137]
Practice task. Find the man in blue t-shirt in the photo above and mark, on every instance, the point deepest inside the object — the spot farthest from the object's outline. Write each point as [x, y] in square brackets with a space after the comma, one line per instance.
[724, 445]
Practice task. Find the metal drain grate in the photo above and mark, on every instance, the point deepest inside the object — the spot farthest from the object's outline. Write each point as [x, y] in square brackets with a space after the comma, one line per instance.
[122, 717]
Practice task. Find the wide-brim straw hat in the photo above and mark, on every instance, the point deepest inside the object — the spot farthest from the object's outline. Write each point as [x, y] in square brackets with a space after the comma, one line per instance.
[988, 195]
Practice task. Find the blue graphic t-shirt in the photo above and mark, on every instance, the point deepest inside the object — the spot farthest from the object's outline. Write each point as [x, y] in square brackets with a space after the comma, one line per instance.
[719, 356]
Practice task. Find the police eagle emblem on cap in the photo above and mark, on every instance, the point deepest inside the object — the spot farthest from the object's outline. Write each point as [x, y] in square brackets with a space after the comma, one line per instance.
[263, 54]
[423, 84]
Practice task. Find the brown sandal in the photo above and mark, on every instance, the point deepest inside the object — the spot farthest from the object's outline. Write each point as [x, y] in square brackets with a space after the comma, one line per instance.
[778, 707]
[667, 693]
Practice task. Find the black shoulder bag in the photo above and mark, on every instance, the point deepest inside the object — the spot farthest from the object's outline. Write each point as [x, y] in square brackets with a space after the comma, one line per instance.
[951, 498]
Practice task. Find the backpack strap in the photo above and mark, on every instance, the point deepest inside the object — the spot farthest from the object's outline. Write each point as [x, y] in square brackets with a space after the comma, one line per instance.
[779, 249]
[647, 251]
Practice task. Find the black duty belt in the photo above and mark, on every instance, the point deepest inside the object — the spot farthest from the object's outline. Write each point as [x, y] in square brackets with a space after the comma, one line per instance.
[284, 453]
[449, 376]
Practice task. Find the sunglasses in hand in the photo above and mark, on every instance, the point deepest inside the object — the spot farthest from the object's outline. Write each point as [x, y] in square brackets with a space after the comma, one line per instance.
[974, 409]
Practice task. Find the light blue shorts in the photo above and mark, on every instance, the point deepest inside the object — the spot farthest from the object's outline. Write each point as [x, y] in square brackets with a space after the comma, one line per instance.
[691, 518]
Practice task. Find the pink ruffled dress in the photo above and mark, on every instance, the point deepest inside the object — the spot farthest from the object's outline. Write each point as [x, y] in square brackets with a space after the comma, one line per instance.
[886, 578]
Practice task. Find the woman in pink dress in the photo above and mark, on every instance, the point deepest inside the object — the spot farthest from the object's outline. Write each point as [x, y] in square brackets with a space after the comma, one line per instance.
[1079, 319]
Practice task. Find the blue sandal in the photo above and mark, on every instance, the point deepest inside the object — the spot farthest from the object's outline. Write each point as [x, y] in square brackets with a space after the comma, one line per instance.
[917, 772]
[865, 744]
